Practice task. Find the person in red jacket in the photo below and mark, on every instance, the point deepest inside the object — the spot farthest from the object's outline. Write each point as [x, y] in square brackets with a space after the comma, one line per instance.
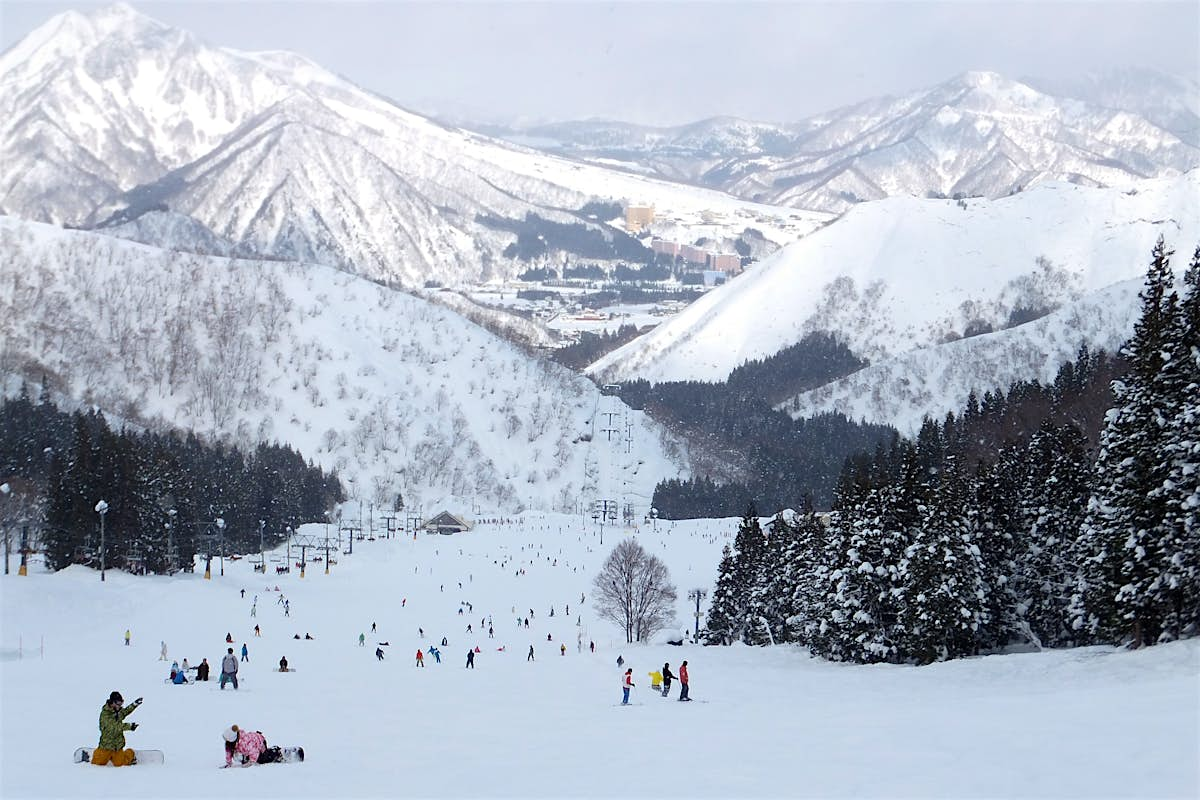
[683, 680]
[420, 658]
[627, 684]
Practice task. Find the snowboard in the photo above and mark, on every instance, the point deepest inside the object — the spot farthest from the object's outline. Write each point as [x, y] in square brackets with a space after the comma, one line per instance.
[84, 756]
[289, 669]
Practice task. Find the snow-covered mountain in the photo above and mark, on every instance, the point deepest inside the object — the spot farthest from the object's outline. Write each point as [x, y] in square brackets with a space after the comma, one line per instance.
[905, 273]
[396, 393]
[107, 116]
[978, 134]
[931, 381]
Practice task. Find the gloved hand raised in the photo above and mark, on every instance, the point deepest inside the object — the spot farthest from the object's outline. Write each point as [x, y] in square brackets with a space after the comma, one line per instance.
[133, 726]
[137, 702]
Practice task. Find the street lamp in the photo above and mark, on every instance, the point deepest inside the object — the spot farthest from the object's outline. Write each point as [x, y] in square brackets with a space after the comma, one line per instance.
[102, 509]
[170, 541]
[221, 533]
[6, 490]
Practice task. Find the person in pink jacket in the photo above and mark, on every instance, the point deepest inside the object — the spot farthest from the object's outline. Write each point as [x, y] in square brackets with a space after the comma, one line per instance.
[251, 746]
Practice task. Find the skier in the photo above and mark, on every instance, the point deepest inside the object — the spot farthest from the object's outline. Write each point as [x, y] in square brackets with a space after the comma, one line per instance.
[245, 652]
[437, 655]
[627, 684]
[420, 658]
[112, 733]
[362, 638]
[127, 635]
[593, 646]
[668, 676]
[283, 664]
[421, 632]
[620, 661]
[444, 642]
[683, 682]
[491, 633]
[471, 659]
[257, 631]
[379, 653]
[372, 627]
[243, 594]
[162, 656]
[229, 668]
[563, 649]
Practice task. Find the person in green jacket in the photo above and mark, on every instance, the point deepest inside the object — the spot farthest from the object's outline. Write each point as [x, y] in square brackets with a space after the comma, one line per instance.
[112, 732]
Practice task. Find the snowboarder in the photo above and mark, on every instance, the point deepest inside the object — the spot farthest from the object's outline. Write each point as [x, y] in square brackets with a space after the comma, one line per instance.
[362, 639]
[185, 666]
[245, 652]
[372, 627]
[530, 656]
[420, 658]
[444, 642]
[228, 640]
[257, 631]
[162, 656]
[562, 649]
[283, 664]
[243, 594]
[202, 670]
[179, 678]
[437, 655]
[379, 653]
[249, 746]
[656, 680]
[127, 636]
[491, 632]
[683, 682]
[421, 632]
[627, 684]
[112, 732]
[620, 661]
[668, 676]
[471, 659]
[592, 645]
[229, 668]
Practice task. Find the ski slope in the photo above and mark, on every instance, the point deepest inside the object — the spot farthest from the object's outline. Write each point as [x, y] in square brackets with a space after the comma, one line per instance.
[768, 722]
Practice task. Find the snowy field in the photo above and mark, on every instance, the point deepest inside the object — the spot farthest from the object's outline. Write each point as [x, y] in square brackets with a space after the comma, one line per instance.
[1087, 723]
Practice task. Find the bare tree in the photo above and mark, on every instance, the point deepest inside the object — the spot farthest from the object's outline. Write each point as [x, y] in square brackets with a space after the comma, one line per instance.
[635, 591]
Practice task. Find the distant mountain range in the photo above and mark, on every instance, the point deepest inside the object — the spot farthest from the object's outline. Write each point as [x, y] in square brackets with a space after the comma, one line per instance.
[903, 276]
[112, 115]
[978, 134]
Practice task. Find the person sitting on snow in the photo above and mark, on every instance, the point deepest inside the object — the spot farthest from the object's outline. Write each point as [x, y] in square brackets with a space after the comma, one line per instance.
[112, 732]
[249, 746]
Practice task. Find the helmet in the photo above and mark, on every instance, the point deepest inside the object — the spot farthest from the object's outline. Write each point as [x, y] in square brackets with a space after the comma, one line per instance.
[230, 734]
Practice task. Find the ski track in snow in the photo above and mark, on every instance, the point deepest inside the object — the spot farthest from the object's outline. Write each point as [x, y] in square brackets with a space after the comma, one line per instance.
[775, 722]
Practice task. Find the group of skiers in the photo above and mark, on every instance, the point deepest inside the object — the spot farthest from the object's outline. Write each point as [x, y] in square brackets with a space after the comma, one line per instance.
[660, 680]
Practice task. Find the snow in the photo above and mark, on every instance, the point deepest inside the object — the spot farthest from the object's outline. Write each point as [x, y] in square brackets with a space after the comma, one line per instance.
[767, 722]
[898, 274]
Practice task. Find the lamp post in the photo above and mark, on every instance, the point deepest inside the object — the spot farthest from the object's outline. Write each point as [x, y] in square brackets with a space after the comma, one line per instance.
[697, 595]
[171, 540]
[102, 509]
[221, 533]
[6, 490]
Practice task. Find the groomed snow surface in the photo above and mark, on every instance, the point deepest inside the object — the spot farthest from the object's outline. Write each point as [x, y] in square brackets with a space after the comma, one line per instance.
[773, 722]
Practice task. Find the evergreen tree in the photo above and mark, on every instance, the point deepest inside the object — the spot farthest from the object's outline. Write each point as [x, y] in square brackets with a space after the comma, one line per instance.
[722, 612]
[1121, 539]
[1176, 592]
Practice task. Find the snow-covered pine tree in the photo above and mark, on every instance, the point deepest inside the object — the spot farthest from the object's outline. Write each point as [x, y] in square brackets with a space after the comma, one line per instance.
[770, 603]
[1176, 593]
[996, 492]
[944, 590]
[722, 612]
[1119, 543]
[808, 577]
[865, 595]
[1056, 487]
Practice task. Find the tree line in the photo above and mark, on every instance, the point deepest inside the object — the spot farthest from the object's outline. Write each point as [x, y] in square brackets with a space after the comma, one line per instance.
[933, 552]
[160, 488]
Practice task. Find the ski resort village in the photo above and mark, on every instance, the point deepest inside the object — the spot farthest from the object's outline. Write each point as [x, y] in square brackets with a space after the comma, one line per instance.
[481, 400]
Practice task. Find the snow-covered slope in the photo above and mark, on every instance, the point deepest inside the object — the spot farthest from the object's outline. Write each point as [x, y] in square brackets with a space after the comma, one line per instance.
[398, 394]
[934, 380]
[106, 116]
[977, 134]
[766, 722]
[902, 273]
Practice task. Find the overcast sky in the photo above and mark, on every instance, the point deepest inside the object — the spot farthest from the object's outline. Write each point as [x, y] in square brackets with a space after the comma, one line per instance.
[666, 63]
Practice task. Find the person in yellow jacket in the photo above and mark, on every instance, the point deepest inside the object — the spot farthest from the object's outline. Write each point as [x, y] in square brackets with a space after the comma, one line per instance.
[656, 681]
[112, 732]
